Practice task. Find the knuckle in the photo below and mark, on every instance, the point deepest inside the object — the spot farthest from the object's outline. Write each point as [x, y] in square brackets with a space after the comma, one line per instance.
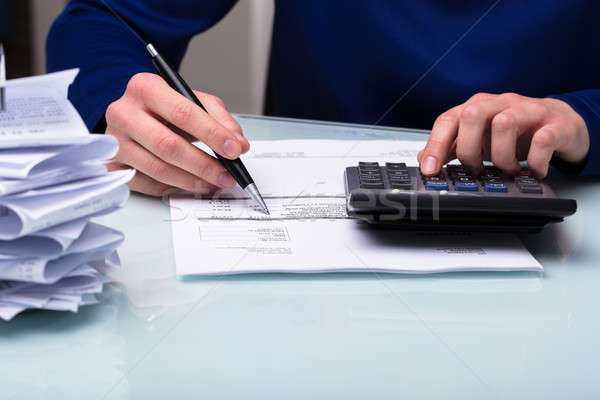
[467, 157]
[479, 97]
[212, 132]
[445, 119]
[510, 97]
[471, 113]
[217, 100]
[544, 138]
[167, 146]
[139, 82]
[115, 111]
[182, 112]
[536, 108]
[504, 122]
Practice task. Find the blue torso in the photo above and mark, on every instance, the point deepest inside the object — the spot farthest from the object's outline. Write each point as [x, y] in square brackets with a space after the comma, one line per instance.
[351, 60]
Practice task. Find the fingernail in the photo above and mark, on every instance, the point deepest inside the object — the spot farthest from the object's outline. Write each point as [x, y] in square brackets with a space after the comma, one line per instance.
[226, 180]
[429, 165]
[232, 148]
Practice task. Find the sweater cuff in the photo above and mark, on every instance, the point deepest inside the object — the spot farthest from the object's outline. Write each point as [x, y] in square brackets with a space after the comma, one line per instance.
[590, 112]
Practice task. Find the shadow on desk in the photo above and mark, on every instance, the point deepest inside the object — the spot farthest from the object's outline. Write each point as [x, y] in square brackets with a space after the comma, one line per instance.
[44, 322]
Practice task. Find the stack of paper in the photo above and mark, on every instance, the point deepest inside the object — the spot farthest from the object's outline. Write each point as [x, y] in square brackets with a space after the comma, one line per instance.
[52, 181]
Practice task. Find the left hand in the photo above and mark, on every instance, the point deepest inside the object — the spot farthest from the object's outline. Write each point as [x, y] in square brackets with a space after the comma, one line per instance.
[505, 129]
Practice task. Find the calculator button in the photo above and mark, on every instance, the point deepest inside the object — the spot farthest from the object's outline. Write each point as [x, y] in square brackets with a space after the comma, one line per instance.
[492, 180]
[402, 186]
[374, 180]
[524, 180]
[399, 176]
[468, 186]
[396, 166]
[535, 189]
[368, 164]
[525, 172]
[371, 179]
[460, 174]
[400, 182]
[436, 185]
[495, 187]
[397, 171]
[488, 170]
[371, 185]
[464, 179]
[369, 173]
[435, 178]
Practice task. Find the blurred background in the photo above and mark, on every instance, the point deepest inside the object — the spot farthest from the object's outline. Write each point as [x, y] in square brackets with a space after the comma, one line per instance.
[229, 60]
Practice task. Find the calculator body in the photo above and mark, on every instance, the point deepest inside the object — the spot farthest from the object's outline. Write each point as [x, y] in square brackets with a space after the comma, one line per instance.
[402, 197]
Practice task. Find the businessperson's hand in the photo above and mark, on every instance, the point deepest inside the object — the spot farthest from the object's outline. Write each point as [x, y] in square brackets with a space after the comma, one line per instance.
[505, 129]
[146, 121]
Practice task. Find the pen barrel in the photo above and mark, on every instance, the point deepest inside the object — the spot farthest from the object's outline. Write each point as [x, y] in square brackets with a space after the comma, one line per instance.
[170, 75]
[237, 170]
[235, 167]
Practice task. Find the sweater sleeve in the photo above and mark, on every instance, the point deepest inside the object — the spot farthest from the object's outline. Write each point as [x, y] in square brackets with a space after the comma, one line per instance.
[587, 104]
[87, 36]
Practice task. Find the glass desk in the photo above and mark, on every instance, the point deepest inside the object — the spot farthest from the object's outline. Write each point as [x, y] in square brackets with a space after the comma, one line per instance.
[351, 336]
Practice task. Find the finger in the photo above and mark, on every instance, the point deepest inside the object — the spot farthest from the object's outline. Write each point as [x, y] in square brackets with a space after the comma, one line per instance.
[507, 127]
[142, 183]
[474, 121]
[155, 137]
[481, 96]
[543, 144]
[131, 153]
[216, 108]
[438, 145]
[159, 98]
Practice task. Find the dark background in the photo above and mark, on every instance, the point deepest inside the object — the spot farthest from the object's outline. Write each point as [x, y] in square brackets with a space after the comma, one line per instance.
[15, 35]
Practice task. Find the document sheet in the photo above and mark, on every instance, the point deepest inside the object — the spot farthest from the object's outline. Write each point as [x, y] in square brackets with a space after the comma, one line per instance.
[38, 112]
[308, 229]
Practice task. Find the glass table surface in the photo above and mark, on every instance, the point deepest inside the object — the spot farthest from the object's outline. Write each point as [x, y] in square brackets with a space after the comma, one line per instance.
[353, 336]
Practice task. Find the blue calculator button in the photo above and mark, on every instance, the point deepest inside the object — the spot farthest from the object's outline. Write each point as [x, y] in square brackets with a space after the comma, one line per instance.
[466, 186]
[495, 187]
[436, 185]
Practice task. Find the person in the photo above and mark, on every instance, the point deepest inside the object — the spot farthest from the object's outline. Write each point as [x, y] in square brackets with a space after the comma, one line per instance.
[494, 80]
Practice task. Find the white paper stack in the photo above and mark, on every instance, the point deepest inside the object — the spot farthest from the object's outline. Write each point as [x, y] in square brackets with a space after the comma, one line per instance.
[52, 181]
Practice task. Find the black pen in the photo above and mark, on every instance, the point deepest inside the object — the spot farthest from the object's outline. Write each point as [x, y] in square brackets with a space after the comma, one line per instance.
[235, 167]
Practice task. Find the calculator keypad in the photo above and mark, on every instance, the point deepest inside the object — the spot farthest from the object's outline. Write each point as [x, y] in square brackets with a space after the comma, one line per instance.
[456, 177]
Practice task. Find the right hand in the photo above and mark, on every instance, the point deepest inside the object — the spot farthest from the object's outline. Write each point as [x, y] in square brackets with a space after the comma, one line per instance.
[145, 121]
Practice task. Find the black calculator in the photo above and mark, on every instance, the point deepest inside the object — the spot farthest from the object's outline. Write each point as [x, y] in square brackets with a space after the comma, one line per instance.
[395, 194]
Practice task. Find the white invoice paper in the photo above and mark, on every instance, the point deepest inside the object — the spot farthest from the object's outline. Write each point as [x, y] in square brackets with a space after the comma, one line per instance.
[308, 229]
[38, 112]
